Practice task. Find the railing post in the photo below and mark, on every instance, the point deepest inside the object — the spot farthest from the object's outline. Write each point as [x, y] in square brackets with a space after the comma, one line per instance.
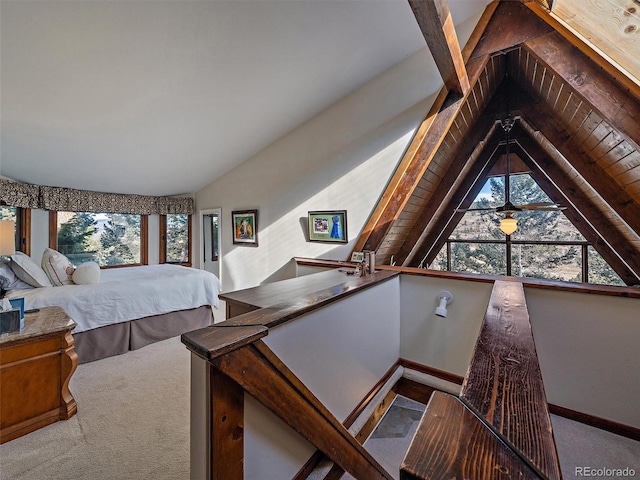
[226, 428]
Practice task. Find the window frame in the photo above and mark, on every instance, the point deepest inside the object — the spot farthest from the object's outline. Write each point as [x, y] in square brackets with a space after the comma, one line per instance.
[163, 241]
[23, 229]
[144, 239]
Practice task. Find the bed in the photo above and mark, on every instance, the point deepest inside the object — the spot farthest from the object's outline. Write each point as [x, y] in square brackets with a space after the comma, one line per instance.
[131, 307]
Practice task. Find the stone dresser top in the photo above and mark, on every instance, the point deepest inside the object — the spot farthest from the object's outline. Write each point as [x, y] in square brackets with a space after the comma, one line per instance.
[46, 321]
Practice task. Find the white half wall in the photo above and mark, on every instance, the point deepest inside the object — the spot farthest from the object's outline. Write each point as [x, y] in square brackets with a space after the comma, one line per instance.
[588, 351]
[340, 352]
[443, 343]
[587, 344]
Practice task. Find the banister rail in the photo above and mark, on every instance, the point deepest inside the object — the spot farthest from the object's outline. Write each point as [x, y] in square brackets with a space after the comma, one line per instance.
[239, 362]
[500, 426]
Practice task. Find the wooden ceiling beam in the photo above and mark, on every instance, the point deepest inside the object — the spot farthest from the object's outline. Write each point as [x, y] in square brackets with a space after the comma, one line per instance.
[483, 42]
[609, 98]
[612, 193]
[482, 136]
[581, 211]
[420, 151]
[463, 196]
[511, 25]
[436, 24]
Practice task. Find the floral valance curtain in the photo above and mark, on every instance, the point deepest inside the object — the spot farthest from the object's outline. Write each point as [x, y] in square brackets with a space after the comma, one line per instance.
[19, 194]
[73, 200]
[167, 205]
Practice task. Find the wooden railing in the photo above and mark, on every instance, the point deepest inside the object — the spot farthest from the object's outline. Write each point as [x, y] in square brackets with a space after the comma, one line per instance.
[238, 361]
[500, 425]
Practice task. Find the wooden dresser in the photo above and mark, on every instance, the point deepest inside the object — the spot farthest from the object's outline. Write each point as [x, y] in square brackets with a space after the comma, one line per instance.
[36, 364]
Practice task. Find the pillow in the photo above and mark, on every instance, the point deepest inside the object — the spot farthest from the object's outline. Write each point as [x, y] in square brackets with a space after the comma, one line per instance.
[57, 267]
[9, 280]
[87, 273]
[29, 271]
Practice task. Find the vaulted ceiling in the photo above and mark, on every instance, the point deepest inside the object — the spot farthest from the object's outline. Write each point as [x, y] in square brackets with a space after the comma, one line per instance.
[576, 132]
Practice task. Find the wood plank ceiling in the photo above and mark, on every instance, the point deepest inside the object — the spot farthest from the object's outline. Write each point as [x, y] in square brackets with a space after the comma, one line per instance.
[575, 131]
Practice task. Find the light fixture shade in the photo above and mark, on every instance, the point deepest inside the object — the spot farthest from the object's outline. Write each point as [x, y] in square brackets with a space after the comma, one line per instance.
[508, 225]
[7, 237]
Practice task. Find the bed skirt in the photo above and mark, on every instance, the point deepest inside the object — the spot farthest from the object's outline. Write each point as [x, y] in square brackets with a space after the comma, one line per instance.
[121, 337]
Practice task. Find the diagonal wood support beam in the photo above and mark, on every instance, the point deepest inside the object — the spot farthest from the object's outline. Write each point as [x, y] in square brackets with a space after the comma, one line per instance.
[617, 198]
[616, 104]
[262, 374]
[462, 197]
[451, 180]
[564, 191]
[483, 43]
[437, 26]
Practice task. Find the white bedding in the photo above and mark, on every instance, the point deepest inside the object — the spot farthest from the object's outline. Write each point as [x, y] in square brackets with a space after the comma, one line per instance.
[127, 293]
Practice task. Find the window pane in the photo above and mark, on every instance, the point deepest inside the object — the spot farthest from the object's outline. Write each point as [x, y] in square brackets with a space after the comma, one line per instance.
[440, 262]
[177, 238]
[553, 262]
[484, 258]
[478, 226]
[600, 272]
[108, 239]
[8, 213]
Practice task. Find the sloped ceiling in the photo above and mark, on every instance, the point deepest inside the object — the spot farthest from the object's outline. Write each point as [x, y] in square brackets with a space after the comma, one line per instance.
[576, 132]
[163, 97]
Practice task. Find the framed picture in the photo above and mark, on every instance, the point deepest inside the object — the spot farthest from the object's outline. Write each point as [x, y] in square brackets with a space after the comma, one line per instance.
[328, 226]
[245, 227]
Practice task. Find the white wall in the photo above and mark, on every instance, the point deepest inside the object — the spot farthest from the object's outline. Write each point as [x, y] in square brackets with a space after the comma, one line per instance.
[340, 352]
[340, 160]
[443, 343]
[588, 351]
[587, 344]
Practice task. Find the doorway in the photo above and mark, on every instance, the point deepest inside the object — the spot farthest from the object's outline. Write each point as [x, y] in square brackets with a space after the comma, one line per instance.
[210, 254]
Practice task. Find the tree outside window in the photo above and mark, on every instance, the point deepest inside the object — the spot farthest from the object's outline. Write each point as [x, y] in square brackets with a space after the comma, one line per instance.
[109, 239]
[545, 245]
[176, 232]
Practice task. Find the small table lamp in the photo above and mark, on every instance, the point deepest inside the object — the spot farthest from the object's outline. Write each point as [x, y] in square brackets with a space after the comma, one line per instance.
[7, 243]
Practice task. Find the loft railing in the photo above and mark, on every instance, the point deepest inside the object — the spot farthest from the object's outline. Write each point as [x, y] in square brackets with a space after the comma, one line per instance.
[500, 425]
[239, 362]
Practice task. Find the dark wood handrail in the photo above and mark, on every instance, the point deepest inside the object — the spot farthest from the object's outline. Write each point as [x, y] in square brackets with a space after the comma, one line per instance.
[502, 411]
[557, 285]
[238, 362]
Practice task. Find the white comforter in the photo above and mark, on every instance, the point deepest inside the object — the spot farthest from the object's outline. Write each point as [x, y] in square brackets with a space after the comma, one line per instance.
[127, 293]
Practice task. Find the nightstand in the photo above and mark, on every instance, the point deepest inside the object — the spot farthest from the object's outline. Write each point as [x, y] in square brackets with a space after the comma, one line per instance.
[36, 364]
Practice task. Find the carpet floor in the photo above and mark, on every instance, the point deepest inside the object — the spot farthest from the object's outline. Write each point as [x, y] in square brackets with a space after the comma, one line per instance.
[132, 423]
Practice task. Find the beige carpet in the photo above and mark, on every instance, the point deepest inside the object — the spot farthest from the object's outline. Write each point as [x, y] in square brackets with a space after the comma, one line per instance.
[132, 423]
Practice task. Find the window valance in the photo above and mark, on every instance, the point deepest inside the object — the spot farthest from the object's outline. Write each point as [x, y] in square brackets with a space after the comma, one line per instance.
[19, 194]
[73, 200]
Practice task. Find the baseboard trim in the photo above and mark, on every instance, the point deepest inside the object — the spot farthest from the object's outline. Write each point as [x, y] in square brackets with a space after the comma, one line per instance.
[597, 422]
[434, 372]
[591, 420]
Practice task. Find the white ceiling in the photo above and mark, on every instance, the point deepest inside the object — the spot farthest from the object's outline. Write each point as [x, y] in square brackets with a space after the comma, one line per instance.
[162, 97]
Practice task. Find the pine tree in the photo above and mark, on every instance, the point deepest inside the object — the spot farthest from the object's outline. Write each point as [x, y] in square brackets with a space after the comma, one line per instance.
[118, 248]
[541, 261]
[74, 238]
[177, 236]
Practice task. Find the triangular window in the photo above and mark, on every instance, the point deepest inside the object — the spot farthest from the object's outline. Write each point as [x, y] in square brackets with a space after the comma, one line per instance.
[545, 244]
